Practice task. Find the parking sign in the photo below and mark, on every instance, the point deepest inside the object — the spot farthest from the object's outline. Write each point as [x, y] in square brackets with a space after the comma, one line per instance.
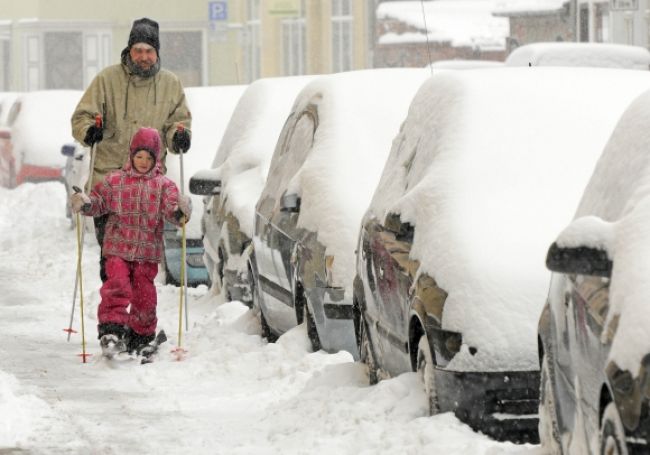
[218, 11]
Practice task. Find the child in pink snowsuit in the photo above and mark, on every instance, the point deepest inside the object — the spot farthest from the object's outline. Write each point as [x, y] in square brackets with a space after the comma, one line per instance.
[137, 198]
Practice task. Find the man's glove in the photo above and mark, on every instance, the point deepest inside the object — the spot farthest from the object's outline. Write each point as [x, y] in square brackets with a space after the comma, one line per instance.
[184, 208]
[94, 134]
[181, 141]
[79, 202]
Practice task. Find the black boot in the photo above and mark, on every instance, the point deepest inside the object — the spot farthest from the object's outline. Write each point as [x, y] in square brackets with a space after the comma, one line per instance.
[137, 342]
[112, 338]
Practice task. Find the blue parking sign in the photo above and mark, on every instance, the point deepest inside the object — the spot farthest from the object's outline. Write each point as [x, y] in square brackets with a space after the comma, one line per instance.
[218, 11]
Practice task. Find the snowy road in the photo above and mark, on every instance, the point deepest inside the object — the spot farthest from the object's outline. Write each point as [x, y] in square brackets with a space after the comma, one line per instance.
[233, 394]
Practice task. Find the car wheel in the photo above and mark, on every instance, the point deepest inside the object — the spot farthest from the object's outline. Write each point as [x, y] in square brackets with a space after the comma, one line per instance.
[549, 434]
[425, 367]
[312, 331]
[365, 353]
[612, 434]
[266, 330]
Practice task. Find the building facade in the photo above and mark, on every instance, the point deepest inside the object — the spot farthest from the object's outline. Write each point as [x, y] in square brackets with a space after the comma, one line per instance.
[47, 44]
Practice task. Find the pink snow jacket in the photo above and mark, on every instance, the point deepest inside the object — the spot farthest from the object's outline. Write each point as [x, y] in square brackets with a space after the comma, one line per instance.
[137, 205]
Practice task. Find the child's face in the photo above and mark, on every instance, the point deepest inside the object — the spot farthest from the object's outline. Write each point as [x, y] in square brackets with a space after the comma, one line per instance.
[142, 161]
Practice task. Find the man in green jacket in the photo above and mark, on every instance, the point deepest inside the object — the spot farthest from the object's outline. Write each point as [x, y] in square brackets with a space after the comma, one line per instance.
[129, 95]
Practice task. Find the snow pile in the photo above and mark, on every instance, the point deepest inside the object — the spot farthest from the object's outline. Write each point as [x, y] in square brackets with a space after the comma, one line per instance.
[488, 177]
[243, 158]
[619, 193]
[581, 54]
[461, 22]
[211, 110]
[43, 126]
[358, 115]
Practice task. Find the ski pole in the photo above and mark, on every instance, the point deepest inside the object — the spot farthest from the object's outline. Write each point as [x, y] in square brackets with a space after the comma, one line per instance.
[183, 288]
[80, 281]
[98, 124]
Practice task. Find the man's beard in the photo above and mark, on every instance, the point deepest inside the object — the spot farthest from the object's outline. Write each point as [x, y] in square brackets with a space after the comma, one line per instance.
[139, 71]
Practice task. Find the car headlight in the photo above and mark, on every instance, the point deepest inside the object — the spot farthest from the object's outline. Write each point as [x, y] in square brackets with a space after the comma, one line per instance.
[195, 260]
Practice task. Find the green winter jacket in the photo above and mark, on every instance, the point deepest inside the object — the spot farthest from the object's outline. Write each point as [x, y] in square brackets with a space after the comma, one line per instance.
[128, 102]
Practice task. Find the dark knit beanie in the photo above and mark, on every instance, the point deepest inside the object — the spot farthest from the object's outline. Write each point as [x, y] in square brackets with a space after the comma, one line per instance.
[145, 31]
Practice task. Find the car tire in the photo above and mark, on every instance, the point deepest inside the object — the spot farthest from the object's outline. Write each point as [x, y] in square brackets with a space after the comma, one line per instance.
[612, 433]
[266, 329]
[365, 353]
[312, 331]
[425, 366]
[549, 433]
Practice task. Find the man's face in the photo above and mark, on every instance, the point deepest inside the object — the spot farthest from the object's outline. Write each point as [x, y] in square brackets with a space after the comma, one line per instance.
[143, 55]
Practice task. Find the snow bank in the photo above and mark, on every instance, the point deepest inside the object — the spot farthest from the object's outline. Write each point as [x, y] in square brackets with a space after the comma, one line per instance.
[488, 176]
[43, 126]
[462, 22]
[581, 54]
[619, 193]
[211, 110]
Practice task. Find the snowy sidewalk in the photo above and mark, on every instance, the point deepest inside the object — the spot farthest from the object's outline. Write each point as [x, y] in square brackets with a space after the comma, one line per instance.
[234, 394]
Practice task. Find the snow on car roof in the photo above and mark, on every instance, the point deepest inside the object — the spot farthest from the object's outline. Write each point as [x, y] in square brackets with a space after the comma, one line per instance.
[359, 114]
[581, 54]
[619, 192]
[462, 22]
[43, 126]
[490, 164]
[211, 109]
[243, 157]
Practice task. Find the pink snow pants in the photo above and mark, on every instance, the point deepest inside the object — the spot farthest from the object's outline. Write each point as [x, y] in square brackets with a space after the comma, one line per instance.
[129, 283]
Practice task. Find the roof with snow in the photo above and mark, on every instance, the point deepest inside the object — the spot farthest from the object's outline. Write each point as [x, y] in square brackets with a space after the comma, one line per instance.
[602, 55]
[493, 173]
[461, 22]
[528, 7]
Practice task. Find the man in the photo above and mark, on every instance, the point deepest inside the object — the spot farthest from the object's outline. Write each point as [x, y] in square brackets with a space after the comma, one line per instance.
[129, 95]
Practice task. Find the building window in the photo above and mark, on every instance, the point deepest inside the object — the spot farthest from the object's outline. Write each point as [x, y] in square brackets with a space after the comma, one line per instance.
[63, 57]
[182, 54]
[341, 35]
[5, 64]
[294, 44]
[252, 40]
[629, 28]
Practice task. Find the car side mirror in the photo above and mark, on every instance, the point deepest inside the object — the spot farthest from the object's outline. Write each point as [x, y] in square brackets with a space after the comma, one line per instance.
[205, 183]
[68, 150]
[402, 231]
[582, 248]
[581, 261]
[290, 203]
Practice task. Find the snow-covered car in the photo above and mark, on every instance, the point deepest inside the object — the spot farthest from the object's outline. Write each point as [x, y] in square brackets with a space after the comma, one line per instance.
[450, 277]
[464, 64]
[233, 185]
[604, 55]
[40, 125]
[593, 332]
[211, 108]
[7, 159]
[328, 159]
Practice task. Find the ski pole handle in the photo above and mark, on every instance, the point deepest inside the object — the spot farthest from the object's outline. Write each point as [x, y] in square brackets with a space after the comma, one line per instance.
[98, 121]
[76, 189]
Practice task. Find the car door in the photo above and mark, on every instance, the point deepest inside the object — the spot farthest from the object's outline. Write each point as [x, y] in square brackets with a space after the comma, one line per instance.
[276, 221]
[391, 247]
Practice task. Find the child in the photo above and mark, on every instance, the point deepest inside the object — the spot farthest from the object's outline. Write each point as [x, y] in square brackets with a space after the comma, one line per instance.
[137, 199]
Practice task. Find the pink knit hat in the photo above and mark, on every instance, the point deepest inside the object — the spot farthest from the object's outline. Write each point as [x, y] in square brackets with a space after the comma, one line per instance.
[146, 139]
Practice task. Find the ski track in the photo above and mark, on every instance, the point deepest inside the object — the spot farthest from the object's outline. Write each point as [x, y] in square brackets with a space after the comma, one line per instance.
[233, 394]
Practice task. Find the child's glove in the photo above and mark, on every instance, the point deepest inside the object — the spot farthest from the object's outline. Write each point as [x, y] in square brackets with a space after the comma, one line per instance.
[185, 207]
[79, 202]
